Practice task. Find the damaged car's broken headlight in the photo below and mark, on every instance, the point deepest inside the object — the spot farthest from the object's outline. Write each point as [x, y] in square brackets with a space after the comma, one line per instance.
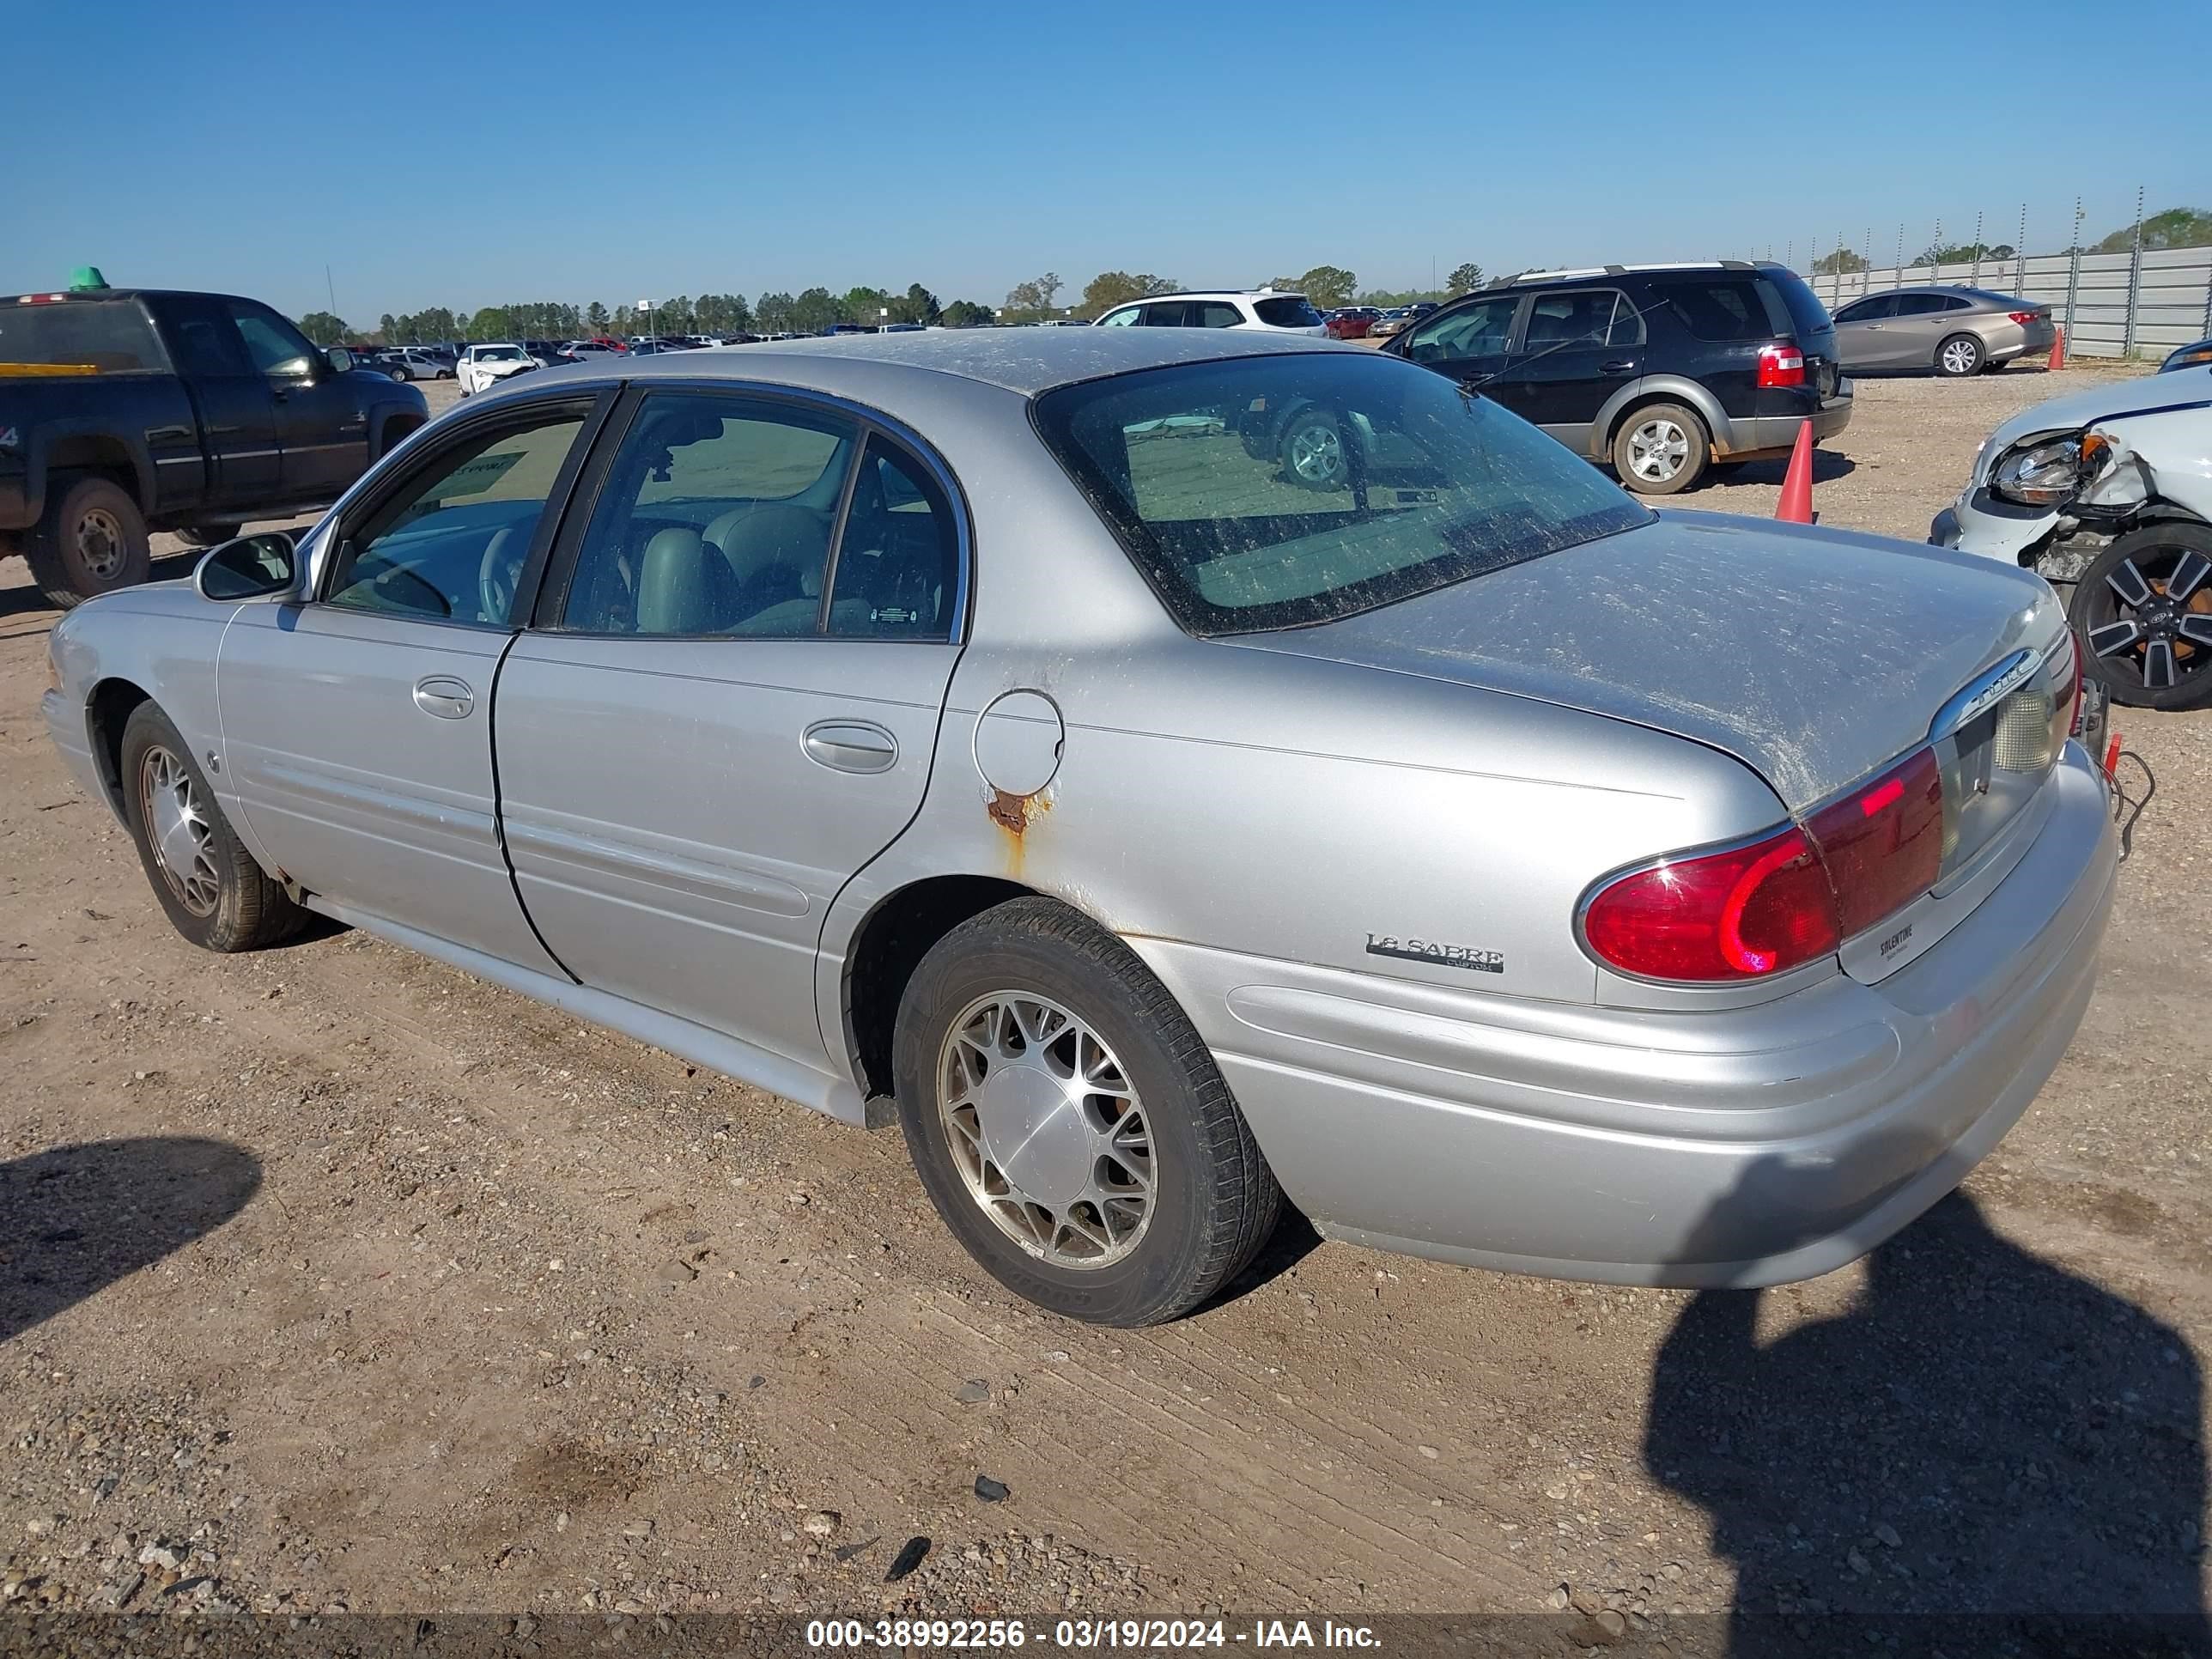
[2048, 471]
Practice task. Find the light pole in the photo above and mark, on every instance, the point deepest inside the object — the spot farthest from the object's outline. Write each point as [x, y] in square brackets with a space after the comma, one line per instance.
[883, 319]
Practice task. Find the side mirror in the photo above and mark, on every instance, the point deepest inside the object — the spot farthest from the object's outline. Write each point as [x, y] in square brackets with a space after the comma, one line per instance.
[247, 569]
[341, 360]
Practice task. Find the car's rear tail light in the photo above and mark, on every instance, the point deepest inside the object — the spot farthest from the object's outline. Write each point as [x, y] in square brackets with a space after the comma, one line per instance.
[1781, 365]
[2025, 317]
[1793, 895]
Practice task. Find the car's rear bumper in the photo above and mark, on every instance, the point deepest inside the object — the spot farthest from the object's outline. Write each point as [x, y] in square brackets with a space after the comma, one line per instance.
[1750, 436]
[1744, 1147]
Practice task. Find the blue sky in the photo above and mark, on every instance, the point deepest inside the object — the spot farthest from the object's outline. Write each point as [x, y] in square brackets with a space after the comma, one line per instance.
[464, 154]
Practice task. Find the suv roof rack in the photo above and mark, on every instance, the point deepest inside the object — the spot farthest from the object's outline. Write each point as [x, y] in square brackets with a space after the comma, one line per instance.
[1565, 274]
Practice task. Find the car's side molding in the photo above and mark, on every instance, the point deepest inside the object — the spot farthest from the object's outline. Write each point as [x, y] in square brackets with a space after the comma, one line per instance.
[776, 1073]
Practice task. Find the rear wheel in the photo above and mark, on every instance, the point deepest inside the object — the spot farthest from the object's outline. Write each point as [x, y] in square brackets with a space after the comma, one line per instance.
[1959, 354]
[1069, 1124]
[209, 535]
[401, 372]
[1312, 450]
[91, 541]
[1662, 449]
[216, 895]
[2143, 609]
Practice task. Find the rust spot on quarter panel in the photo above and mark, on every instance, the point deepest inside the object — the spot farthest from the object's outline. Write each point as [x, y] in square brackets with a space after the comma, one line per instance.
[1013, 813]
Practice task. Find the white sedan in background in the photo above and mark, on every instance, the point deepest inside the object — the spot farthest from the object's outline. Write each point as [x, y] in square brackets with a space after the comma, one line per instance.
[485, 365]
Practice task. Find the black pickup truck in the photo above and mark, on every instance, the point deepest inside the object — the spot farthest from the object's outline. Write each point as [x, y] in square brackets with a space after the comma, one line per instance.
[123, 411]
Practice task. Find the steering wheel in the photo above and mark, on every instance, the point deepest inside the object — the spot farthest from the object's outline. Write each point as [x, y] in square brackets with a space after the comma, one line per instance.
[499, 572]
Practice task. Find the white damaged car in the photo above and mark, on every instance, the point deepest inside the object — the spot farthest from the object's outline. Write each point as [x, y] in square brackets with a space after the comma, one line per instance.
[2110, 490]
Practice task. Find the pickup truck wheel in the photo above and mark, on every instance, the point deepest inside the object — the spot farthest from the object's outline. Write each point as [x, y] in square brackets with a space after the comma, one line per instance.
[209, 535]
[91, 541]
[216, 895]
[1069, 1124]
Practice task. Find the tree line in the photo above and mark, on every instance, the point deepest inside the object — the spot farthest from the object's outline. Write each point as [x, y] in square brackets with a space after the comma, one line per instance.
[812, 310]
[2180, 227]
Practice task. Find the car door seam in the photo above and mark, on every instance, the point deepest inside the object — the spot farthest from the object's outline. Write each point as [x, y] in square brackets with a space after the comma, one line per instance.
[499, 811]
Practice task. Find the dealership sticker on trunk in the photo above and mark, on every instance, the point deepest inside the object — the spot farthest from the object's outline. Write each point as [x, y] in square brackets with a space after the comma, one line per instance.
[1445, 956]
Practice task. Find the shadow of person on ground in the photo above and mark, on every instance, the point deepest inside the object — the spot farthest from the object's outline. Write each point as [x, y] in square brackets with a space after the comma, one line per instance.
[1987, 1454]
[75, 1218]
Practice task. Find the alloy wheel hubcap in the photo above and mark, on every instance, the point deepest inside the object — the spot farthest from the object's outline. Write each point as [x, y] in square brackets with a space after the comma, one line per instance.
[1316, 453]
[1656, 450]
[2161, 627]
[1046, 1130]
[1959, 356]
[99, 543]
[178, 830]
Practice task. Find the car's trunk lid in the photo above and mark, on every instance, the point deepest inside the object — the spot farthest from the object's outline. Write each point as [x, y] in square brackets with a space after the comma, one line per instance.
[1813, 657]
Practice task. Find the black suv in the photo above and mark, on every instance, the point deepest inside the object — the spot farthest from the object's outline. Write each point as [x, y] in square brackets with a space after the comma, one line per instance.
[1665, 371]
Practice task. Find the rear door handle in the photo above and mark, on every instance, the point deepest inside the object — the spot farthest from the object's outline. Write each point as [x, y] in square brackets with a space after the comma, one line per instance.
[442, 694]
[1618, 366]
[851, 746]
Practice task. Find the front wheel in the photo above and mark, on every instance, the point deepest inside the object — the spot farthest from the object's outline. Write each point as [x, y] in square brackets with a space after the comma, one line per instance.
[1662, 449]
[2143, 609]
[92, 540]
[1069, 1124]
[1958, 355]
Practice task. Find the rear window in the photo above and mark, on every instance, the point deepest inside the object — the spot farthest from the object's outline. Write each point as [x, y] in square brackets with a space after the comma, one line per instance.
[110, 337]
[1727, 309]
[1287, 312]
[1273, 492]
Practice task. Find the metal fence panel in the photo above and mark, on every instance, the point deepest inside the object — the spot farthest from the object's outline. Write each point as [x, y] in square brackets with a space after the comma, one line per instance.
[2173, 296]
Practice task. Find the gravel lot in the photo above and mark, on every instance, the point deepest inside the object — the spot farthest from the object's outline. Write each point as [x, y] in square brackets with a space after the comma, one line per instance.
[334, 1279]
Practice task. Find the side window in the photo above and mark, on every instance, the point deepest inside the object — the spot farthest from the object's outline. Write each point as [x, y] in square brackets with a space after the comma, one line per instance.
[271, 342]
[1724, 308]
[1476, 331]
[451, 546]
[898, 562]
[1124, 318]
[1168, 313]
[1216, 314]
[1626, 328]
[1569, 319]
[207, 345]
[1918, 305]
[715, 520]
[1953, 302]
[1868, 311]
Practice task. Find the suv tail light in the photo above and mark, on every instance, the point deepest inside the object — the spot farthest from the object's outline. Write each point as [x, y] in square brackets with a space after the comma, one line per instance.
[1795, 895]
[1783, 364]
[2024, 317]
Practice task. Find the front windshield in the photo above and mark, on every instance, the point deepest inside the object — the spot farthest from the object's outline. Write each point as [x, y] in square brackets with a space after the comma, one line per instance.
[498, 354]
[1278, 491]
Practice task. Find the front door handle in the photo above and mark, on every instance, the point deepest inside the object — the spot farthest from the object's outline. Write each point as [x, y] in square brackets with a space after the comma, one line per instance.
[851, 746]
[1618, 366]
[442, 694]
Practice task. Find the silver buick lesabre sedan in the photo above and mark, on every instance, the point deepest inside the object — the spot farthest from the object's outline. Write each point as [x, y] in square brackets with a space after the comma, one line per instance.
[1020, 734]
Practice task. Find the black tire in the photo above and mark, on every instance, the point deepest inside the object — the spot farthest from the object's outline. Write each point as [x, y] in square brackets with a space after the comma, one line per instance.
[1959, 356]
[2153, 650]
[226, 901]
[400, 372]
[1642, 450]
[208, 535]
[91, 540]
[1213, 1200]
[1313, 452]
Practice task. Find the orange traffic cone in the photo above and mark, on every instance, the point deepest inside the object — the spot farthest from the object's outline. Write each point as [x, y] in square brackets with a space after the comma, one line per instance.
[1795, 506]
[2058, 350]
